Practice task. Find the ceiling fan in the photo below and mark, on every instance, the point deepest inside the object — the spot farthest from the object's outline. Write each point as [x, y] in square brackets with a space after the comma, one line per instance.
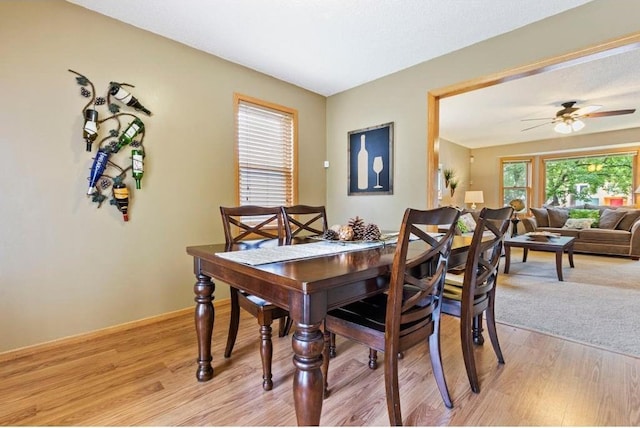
[567, 119]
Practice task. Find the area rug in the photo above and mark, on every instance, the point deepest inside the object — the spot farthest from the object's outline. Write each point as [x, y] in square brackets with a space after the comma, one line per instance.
[598, 302]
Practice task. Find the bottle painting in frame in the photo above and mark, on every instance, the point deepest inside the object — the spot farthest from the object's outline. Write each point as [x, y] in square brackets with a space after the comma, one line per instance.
[370, 164]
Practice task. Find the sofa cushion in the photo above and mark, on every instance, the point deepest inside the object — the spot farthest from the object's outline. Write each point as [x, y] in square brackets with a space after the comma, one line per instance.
[630, 217]
[541, 216]
[578, 223]
[609, 219]
[557, 217]
[584, 213]
[605, 236]
[466, 223]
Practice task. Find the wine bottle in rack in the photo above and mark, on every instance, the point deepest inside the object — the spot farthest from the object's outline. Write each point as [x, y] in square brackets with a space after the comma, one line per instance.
[97, 169]
[121, 196]
[90, 130]
[125, 97]
[134, 128]
[137, 165]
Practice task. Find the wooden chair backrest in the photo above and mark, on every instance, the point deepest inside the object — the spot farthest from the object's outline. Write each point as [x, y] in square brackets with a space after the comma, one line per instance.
[417, 276]
[301, 220]
[481, 270]
[251, 222]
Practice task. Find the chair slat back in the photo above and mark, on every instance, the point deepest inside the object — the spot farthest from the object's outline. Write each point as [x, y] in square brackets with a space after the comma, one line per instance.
[251, 222]
[417, 275]
[304, 220]
[481, 270]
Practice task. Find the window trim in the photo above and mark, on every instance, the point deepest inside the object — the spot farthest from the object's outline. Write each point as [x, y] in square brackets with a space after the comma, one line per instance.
[237, 98]
[530, 176]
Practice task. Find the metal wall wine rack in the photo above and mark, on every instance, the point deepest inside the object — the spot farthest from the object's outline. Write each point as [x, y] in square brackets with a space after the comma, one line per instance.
[107, 173]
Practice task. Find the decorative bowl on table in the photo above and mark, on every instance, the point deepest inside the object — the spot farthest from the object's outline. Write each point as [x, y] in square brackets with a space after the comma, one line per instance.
[541, 236]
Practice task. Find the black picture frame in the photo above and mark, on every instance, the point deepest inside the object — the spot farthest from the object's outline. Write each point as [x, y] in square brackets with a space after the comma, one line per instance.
[377, 177]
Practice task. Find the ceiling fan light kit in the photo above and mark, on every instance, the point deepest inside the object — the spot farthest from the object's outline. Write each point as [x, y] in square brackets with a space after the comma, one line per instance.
[568, 125]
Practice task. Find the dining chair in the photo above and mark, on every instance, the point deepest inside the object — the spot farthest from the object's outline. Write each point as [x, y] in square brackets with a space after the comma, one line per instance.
[304, 220]
[472, 294]
[253, 226]
[409, 313]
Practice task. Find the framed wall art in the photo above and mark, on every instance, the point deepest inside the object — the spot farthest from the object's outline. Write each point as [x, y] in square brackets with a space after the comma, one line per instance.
[370, 165]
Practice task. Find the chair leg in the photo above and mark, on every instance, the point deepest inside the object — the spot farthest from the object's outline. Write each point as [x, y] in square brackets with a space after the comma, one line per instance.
[325, 361]
[436, 365]
[392, 388]
[477, 330]
[493, 333]
[266, 353]
[373, 359]
[285, 326]
[234, 322]
[466, 337]
[332, 346]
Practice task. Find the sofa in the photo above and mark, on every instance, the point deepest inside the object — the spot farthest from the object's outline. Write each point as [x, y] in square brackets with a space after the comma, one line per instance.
[598, 229]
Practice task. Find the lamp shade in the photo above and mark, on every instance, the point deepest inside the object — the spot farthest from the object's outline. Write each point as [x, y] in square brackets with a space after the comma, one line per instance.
[473, 197]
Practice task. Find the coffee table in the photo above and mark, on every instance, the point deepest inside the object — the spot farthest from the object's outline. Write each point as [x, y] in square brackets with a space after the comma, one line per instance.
[557, 245]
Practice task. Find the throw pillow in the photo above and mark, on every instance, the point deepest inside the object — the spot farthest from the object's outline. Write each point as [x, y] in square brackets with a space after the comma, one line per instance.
[578, 223]
[541, 216]
[630, 217]
[557, 217]
[610, 219]
[594, 215]
[468, 221]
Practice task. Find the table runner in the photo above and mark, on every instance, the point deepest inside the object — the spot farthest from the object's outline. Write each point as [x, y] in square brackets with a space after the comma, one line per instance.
[260, 256]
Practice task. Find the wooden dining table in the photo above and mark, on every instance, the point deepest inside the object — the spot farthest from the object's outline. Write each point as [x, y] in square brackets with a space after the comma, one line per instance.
[307, 288]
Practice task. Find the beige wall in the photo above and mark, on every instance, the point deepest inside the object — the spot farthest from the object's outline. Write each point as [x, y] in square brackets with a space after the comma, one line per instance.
[67, 267]
[401, 98]
[456, 157]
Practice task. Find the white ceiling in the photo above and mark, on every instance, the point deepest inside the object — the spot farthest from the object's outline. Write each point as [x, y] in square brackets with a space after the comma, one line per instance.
[329, 46]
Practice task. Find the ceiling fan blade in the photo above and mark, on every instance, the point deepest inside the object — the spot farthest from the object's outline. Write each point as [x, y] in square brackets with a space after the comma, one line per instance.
[610, 113]
[542, 124]
[582, 111]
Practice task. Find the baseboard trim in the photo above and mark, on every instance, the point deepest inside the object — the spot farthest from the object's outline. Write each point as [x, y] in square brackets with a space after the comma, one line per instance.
[12, 354]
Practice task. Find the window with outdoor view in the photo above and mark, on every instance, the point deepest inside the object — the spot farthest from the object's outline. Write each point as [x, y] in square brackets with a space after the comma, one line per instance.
[265, 138]
[600, 180]
[516, 182]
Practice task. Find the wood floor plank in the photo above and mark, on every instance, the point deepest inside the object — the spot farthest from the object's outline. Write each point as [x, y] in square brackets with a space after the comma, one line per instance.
[145, 375]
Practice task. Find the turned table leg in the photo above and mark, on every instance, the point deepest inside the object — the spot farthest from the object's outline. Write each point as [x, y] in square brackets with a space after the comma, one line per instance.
[308, 381]
[204, 315]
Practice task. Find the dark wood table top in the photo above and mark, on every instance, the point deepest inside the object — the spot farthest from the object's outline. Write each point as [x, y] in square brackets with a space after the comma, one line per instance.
[308, 275]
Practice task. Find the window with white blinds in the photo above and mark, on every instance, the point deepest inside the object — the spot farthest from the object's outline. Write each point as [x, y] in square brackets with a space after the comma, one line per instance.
[265, 153]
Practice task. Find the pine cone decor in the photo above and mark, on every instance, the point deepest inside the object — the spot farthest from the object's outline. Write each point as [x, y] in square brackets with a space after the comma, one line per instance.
[371, 232]
[345, 233]
[357, 224]
[330, 235]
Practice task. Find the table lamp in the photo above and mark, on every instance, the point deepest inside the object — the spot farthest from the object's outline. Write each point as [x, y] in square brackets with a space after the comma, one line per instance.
[472, 197]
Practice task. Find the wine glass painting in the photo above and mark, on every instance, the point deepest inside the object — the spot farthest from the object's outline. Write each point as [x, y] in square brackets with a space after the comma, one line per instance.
[377, 168]
[371, 161]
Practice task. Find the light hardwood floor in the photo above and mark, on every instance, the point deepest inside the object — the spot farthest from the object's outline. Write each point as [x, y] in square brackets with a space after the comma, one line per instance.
[145, 375]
